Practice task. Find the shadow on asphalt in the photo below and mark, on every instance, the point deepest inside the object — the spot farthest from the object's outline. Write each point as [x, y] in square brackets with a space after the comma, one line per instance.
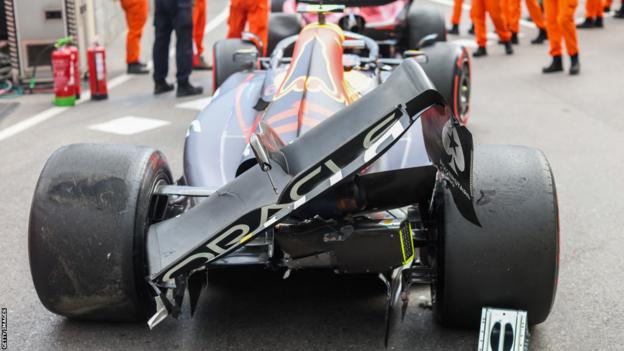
[258, 310]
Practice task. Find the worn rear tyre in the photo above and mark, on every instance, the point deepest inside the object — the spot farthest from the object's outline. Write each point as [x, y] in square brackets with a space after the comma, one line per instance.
[89, 216]
[511, 261]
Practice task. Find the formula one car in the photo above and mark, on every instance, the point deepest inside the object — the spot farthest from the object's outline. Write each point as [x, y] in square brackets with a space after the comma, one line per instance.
[302, 164]
[397, 26]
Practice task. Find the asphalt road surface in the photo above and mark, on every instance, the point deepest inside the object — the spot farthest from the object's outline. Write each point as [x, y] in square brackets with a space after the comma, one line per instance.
[577, 121]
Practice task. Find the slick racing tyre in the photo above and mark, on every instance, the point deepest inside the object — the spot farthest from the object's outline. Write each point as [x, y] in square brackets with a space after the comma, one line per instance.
[224, 64]
[448, 67]
[422, 20]
[89, 216]
[511, 260]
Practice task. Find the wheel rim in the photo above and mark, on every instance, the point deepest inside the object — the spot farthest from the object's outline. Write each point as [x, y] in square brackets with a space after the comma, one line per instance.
[155, 213]
[463, 94]
[158, 203]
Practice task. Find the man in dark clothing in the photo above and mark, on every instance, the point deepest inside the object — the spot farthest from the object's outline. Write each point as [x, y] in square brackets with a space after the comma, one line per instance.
[173, 15]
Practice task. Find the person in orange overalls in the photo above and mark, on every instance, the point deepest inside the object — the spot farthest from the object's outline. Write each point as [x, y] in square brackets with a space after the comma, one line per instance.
[494, 8]
[593, 15]
[455, 19]
[199, 26]
[535, 11]
[560, 25]
[136, 16]
[252, 12]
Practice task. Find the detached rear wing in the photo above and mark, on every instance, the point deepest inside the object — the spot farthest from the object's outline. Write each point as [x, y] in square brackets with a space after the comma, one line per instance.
[336, 149]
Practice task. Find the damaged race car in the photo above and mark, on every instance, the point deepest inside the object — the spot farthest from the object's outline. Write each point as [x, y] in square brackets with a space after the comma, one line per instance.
[322, 160]
[397, 26]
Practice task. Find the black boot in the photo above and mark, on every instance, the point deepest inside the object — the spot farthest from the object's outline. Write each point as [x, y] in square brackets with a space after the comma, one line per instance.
[555, 66]
[541, 36]
[161, 87]
[588, 23]
[508, 47]
[575, 65]
[453, 30]
[186, 89]
[514, 38]
[137, 68]
[481, 51]
[598, 22]
[619, 13]
[471, 30]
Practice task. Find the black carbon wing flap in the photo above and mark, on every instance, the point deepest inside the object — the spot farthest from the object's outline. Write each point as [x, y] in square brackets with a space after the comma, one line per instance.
[336, 149]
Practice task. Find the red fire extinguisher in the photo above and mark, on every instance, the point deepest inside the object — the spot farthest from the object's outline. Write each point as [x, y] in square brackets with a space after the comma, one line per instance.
[75, 60]
[96, 57]
[63, 72]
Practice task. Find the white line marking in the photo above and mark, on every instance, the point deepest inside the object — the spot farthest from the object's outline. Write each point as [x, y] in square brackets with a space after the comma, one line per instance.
[53, 111]
[222, 16]
[197, 104]
[30, 122]
[129, 125]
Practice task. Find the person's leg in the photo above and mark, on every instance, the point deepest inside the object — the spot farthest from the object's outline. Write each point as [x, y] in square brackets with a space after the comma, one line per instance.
[590, 14]
[237, 19]
[199, 25]
[502, 29]
[590, 8]
[478, 17]
[163, 26]
[599, 13]
[568, 30]
[456, 17]
[259, 21]
[136, 15]
[515, 13]
[457, 12]
[565, 19]
[471, 31]
[535, 11]
[551, 9]
[183, 24]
